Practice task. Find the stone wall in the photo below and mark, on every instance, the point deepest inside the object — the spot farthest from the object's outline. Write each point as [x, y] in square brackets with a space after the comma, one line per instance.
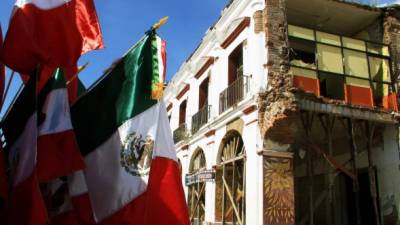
[277, 103]
[391, 36]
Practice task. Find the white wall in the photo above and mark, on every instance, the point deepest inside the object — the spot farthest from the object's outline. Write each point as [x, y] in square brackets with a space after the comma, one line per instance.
[254, 58]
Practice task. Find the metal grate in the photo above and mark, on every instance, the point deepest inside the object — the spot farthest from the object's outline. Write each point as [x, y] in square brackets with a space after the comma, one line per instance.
[200, 118]
[234, 93]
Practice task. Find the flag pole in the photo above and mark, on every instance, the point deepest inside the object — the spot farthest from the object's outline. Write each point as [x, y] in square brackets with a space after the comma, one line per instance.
[156, 26]
[160, 23]
[80, 69]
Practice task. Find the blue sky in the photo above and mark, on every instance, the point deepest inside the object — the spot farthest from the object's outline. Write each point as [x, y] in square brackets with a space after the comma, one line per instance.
[123, 22]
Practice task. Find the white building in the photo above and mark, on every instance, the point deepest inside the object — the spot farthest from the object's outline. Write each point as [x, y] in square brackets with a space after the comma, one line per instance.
[243, 104]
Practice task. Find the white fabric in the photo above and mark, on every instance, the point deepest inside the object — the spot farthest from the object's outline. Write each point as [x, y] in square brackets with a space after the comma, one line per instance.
[160, 59]
[56, 108]
[42, 4]
[24, 151]
[77, 184]
[110, 186]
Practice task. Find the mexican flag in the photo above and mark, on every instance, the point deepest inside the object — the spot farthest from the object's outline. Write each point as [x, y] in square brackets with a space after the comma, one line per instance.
[3, 175]
[3, 187]
[41, 146]
[132, 173]
[26, 205]
[51, 34]
[2, 71]
[58, 151]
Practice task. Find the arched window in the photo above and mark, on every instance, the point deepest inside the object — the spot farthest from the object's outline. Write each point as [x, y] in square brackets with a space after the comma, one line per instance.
[230, 181]
[196, 198]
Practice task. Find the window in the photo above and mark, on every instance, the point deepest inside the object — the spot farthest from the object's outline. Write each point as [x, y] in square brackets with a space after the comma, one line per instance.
[182, 112]
[203, 93]
[196, 198]
[230, 192]
[340, 63]
[201, 117]
[235, 64]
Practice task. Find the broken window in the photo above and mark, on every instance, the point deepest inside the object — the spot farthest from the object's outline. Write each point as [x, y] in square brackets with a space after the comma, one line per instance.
[362, 68]
[197, 197]
[331, 85]
[230, 192]
[302, 53]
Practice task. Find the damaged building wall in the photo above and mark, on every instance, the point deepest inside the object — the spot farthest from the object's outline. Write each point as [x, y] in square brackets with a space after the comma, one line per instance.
[373, 174]
[277, 104]
[386, 158]
[326, 179]
[391, 36]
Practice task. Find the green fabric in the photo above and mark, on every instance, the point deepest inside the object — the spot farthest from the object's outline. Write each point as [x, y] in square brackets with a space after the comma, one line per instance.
[156, 72]
[26, 104]
[120, 95]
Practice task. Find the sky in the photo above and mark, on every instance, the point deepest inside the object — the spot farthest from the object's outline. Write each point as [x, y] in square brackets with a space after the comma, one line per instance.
[123, 22]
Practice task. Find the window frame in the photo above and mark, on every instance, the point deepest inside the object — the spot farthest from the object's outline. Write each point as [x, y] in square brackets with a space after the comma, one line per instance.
[369, 53]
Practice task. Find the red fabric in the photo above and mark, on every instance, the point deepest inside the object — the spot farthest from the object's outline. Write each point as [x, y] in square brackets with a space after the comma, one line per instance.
[390, 102]
[46, 72]
[83, 208]
[163, 202]
[307, 84]
[362, 96]
[3, 187]
[26, 204]
[67, 218]
[55, 37]
[58, 155]
[164, 59]
[165, 195]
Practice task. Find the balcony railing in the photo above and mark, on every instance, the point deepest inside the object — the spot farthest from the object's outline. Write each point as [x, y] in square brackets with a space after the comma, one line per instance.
[234, 93]
[180, 133]
[200, 118]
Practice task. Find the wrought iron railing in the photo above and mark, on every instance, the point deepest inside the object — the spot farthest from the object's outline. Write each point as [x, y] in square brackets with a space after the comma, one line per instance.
[234, 93]
[200, 118]
[181, 133]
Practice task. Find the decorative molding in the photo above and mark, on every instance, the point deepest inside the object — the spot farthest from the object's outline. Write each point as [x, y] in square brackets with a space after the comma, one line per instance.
[205, 66]
[275, 154]
[210, 133]
[250, 109]
[185, 147]
[183, 92]
[235, 33]
[253, 121]
[211, 142]
[169, 107]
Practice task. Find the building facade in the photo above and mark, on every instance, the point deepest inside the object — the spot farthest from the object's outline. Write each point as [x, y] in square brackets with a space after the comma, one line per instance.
[286, 113]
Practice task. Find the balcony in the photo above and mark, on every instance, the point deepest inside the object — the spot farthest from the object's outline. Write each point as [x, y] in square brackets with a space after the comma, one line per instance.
[200, 118]
[234, 93]
[180, 133]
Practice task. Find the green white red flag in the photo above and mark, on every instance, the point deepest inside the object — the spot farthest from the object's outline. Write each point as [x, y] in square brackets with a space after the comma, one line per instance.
[3, 174]
[132, 173]
[41, 146]
[26, 205]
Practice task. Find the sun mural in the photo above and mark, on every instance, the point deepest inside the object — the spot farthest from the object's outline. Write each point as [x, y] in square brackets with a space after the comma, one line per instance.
[278, 189]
